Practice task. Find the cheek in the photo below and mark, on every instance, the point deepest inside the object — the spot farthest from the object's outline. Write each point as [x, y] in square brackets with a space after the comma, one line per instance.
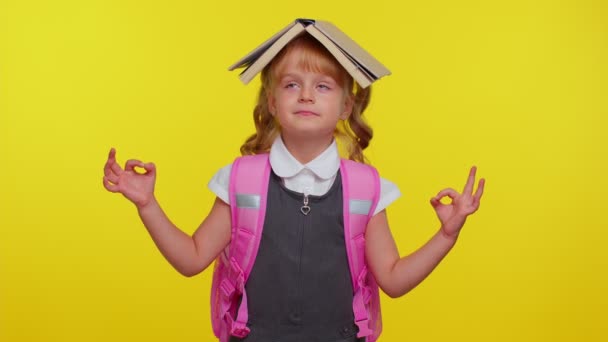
[342, 104]
[280, 98]
[275, 101]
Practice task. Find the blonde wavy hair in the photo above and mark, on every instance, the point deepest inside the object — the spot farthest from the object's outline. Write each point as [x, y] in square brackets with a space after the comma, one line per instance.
[354, 133]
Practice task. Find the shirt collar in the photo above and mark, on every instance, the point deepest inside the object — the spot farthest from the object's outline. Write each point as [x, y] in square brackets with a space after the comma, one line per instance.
[285, 165]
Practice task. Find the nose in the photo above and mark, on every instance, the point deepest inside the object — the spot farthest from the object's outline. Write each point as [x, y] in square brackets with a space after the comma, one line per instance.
[306, 95]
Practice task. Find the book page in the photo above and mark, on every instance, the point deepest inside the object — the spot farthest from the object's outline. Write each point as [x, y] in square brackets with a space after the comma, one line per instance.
[352, 67]
[265, 58]
[353, 49]
[258, 51]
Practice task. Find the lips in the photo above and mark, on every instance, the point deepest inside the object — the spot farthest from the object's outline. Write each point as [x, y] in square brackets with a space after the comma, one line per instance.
[306, 113]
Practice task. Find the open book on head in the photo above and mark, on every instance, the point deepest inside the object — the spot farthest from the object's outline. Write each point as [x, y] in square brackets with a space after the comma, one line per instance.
[364, 68]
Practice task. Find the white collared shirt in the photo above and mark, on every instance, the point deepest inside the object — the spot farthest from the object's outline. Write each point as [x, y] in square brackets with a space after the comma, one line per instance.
[314, 178]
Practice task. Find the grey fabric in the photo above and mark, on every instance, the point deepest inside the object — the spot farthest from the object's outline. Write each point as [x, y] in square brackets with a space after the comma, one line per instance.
[247, 201]
[361, 207]
[299, 288]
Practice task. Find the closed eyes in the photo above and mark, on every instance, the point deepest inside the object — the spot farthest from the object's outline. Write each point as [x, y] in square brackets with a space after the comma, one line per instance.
[320, 86]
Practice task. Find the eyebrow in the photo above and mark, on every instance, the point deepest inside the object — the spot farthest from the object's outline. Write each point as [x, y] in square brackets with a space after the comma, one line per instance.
[323, 77]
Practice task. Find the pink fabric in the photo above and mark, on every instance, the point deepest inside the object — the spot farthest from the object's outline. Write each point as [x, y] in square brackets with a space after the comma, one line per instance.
[366, 301]
[234, 266]
[235, 263]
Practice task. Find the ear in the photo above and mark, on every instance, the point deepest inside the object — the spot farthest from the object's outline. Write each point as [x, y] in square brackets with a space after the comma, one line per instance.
[271, 102]
[349, 101]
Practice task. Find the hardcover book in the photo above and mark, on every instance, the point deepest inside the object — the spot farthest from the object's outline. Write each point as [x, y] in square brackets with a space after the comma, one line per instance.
[362, 66]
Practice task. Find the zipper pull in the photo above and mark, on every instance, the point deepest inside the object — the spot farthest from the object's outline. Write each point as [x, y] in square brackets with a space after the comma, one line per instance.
[305, 209]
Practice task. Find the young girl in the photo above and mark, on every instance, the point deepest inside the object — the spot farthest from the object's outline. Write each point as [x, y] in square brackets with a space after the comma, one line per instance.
[299, 288]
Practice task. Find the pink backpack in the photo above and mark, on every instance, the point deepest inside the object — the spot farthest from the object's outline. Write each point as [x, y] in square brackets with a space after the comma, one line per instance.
[248, 190]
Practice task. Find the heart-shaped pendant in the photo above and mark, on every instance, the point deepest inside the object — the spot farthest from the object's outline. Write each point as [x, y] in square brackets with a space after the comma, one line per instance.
[305, 209]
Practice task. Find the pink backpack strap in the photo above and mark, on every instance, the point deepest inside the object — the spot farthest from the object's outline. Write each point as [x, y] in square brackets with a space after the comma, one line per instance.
[361, 192]
[248, 191]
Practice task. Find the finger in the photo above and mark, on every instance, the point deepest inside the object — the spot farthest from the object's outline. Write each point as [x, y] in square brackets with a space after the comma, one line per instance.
[468, 187]
[116, 168]
[150, 168]
[449, 192]
[111, 164]
[132, 163]
[112, 178]
[435, 202]
[479, 191]
[111, 158]
[109, 186]
[111, 168]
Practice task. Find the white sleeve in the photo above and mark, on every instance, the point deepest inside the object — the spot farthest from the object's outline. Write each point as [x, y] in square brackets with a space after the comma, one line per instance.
[389, 192]
[220, 183]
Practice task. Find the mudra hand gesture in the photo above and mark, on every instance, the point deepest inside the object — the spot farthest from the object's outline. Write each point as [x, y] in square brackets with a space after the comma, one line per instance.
[454, 214]
[135, 186]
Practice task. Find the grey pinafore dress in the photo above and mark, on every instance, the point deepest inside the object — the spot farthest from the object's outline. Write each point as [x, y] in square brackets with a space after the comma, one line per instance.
[299, 289]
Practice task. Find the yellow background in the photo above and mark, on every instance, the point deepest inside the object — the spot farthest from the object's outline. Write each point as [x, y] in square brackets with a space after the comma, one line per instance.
[517, 88]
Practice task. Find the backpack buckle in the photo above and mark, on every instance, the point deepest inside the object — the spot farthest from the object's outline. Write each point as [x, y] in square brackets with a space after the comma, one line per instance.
[364, 329]
[239, 330]
[227, 289]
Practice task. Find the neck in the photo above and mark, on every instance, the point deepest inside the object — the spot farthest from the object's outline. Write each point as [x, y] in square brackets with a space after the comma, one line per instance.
[305, 150]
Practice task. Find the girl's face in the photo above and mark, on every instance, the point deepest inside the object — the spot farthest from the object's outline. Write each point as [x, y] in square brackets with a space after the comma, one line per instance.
[307, 103]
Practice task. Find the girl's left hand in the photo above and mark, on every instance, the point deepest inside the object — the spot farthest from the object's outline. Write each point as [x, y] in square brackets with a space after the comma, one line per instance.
[454, 214]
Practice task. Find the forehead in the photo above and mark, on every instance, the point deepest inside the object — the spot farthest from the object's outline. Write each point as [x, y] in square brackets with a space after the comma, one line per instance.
[308, 59]
[294, 65]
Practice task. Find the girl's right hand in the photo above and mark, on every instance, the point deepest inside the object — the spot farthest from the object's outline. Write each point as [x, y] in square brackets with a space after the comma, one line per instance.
[135, 186]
